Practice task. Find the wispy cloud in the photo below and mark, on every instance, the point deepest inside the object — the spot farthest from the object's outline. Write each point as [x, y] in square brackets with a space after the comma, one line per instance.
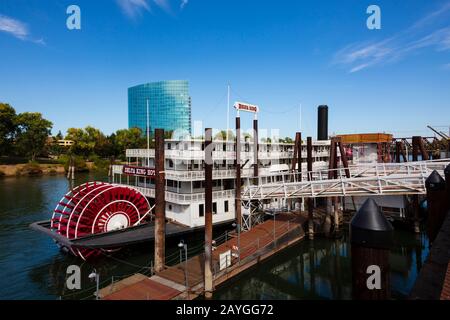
[14, 27]
[17, 29]
[133, 8]
[183, 4]
[432, 31]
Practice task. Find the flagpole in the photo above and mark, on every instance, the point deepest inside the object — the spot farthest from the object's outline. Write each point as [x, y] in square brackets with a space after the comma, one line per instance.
[228, 112]
[148, 136]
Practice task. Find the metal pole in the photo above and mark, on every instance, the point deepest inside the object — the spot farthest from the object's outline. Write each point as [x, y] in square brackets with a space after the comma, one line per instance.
[228, 112]
[97, 280]
[148, 135]
[185, 269]
[160, 205]
[208, 214]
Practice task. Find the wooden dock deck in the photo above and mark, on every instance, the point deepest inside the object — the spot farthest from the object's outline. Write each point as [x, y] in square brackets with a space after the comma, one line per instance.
[185, 280]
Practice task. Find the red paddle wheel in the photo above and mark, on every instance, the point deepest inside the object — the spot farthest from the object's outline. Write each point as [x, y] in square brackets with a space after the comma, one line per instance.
[97, 207]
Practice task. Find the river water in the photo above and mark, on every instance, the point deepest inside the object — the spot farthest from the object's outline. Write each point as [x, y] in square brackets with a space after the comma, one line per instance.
[32, 267]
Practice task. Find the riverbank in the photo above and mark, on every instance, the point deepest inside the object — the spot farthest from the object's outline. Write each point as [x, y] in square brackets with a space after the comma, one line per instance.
[46, 169]
[15, 170]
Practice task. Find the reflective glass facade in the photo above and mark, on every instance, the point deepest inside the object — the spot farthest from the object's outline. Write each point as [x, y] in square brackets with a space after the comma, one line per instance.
[169, 106]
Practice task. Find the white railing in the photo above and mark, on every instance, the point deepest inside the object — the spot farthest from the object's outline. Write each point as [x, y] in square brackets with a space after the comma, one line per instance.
[373, 179]
[185, 199]
[218, 155]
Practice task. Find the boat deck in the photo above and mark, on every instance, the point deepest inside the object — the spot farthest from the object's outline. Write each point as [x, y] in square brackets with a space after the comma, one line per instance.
[133, 235]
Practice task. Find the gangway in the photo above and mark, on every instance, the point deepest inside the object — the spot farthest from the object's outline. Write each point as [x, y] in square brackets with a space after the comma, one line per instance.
[364, 180]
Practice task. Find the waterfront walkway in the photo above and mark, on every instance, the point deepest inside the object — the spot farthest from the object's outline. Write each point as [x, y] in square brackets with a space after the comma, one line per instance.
[230, 257]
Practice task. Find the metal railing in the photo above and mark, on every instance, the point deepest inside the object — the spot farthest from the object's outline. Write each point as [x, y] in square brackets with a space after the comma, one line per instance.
[370, 179]
[280, 235]
[219, 155]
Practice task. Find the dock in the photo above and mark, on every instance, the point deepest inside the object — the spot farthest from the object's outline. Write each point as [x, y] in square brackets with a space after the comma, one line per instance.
[232, 256]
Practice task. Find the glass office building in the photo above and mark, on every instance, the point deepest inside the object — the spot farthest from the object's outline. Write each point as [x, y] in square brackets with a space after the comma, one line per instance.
[169, 106]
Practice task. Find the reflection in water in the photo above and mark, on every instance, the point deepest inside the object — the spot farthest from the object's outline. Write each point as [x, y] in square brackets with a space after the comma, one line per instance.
[33, 268]
[321, 269]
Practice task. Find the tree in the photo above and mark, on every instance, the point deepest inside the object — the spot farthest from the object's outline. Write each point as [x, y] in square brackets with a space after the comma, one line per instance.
[81, 145]
[130, 139]
[7, 128]
[222, 135]
[88, 141]
[32, 134]
[59, 136]
[285, 140]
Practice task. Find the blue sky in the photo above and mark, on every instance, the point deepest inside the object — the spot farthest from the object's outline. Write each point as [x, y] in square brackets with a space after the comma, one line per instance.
[277, 54]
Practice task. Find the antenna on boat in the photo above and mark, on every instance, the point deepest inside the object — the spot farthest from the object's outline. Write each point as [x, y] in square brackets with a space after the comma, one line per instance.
[228, 112]
[300, 119]
[148, 136]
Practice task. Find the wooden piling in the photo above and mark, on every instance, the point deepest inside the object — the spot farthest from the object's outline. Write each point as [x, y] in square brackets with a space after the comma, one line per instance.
[437, 204]
[309, 161]
[237, 203]
[331, 201]
[344, 160]
[160, 203]
[415, 198]
[371, 238]
[208, 275]
[297, 161]
[255, 149]
[298, 137]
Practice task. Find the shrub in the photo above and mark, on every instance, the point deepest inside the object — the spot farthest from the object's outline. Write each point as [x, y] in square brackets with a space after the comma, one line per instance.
[80, 163]
[100, 164]
[32, 168]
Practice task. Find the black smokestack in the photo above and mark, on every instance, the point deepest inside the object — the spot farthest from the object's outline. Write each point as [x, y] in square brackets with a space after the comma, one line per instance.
[322, 125]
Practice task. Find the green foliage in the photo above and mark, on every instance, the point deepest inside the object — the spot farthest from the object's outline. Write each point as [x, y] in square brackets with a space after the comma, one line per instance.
[130, 139]
[100, 164]
[32, 168]
[54, 148]
[286, 140]
[79, 161]
[32, 133]
[222, 135]
[84, 140]
[7, 128]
